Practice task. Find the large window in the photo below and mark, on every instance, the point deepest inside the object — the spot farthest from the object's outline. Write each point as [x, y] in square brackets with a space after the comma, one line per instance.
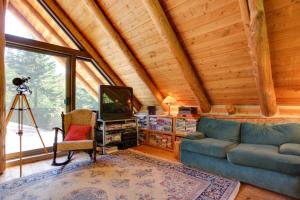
[40, 49]
[47, 83]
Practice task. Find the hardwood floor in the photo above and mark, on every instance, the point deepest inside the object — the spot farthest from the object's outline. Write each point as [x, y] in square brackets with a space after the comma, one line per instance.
[247, 192]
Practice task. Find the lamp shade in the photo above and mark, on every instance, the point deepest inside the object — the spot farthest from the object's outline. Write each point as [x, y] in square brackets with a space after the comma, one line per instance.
[169, 100]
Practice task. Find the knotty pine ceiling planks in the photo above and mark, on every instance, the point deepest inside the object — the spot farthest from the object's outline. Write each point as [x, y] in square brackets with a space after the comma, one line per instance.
[213, 36]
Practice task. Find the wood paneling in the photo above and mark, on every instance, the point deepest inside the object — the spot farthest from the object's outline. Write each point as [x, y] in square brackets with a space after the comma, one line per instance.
[141, 35]
[117, 41]
[212, 33]
[58, 12]
[283, 21]
[213, 36]
[168, 35]
[88, 25]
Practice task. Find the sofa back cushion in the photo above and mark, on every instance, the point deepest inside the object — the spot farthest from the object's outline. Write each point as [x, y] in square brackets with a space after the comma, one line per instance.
[220, 129]
[270, 134]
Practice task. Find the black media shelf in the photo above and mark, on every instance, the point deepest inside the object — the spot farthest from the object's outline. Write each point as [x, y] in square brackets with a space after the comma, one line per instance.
[122, 133]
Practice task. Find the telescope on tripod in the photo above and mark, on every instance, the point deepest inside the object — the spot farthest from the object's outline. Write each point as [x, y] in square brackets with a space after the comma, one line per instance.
[20, 104]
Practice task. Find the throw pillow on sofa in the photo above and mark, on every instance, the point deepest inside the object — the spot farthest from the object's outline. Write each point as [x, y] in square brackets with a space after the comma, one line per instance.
[290, 149]
[220, 129]
[270, 134]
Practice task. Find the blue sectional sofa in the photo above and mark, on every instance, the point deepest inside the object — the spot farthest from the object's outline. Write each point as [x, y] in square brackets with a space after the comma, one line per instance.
[267, 156]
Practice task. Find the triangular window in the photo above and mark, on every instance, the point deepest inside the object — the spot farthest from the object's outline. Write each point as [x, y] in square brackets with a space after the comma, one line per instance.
[30, 20]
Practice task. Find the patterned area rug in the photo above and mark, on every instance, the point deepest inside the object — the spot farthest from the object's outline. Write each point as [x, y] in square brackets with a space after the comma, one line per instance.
[124, 175]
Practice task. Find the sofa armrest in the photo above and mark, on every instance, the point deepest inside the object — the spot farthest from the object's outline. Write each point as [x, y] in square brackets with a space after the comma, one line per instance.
[195, 136]
[290, 149]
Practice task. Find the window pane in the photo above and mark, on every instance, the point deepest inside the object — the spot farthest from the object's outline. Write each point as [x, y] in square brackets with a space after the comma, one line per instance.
[19, 21]
[84, 97]
[14, 27]
[47, 83]
[88, 80]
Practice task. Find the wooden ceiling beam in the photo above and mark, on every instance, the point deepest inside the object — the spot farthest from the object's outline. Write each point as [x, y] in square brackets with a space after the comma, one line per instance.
[254, 20]
[73, 29]
[108, 28]
[168, 35]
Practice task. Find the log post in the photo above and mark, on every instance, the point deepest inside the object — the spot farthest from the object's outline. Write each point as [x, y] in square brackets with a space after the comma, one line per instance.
[168, 35]
[254, 19]
[3, 5]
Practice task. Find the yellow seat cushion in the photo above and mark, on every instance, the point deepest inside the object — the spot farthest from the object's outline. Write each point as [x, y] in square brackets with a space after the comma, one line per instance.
[75, 145]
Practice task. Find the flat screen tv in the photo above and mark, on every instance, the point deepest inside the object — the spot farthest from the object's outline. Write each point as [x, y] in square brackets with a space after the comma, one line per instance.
[115, 102]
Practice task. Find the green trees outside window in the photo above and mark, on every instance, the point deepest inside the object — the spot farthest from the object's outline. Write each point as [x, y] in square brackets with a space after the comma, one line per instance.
[84, 99]
[47, 83]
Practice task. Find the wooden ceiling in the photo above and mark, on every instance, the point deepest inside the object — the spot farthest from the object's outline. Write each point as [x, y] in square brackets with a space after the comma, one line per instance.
[211, 33]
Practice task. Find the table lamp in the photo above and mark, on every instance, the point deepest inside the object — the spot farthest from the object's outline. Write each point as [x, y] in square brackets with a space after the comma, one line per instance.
[169, 101]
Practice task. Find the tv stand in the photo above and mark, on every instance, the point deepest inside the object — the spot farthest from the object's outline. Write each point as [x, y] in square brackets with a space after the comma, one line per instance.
[121, 133]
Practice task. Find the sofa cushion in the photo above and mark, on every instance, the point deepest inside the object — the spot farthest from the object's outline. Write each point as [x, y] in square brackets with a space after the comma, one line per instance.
[220, 129]
[264, 157]
[208, 146]
[272, 135]
[290, 149]
[195, 136]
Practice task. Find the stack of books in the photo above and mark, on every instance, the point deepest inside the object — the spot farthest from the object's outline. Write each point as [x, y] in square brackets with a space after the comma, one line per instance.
[161, 140]
[129, 125]
[190, 126]
[112, 138]
[160, 124]
[180, 125]
[115, 126]
[142, 121]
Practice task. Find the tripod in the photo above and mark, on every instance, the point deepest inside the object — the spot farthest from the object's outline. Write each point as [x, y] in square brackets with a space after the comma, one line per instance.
[20, 99]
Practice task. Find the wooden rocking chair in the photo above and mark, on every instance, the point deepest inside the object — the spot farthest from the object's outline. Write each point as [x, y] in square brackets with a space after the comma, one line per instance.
[78, 117]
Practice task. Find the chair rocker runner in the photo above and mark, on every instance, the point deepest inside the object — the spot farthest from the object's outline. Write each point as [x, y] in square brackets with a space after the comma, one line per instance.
[79, 117]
